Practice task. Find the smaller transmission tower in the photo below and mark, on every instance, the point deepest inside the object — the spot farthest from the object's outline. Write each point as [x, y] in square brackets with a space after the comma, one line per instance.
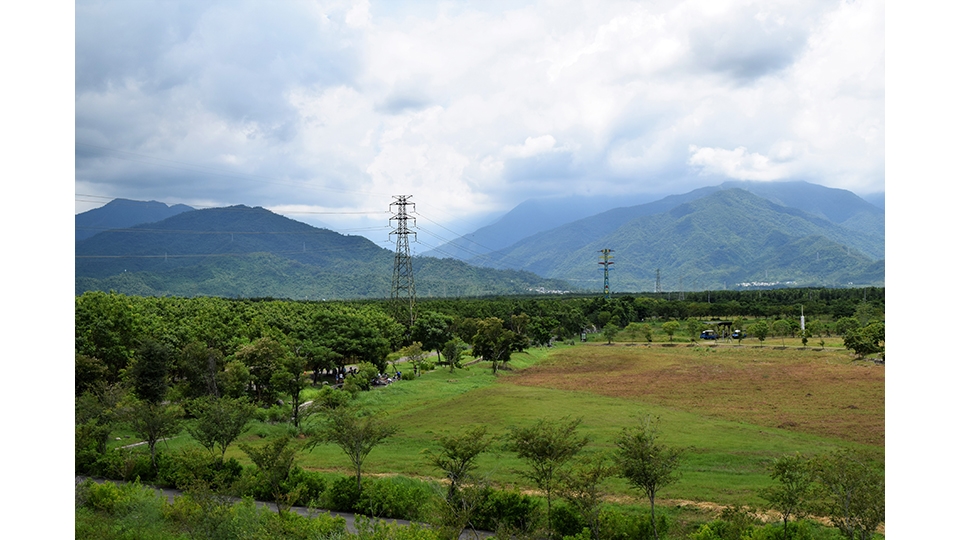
[658, 289]
[402, 292]
[606, 259]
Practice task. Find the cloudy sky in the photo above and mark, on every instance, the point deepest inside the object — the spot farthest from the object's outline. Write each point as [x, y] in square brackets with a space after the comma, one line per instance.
[323, 110]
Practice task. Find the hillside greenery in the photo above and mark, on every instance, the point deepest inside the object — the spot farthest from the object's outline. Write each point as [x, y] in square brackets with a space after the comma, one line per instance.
[251, 252]
[721, 240]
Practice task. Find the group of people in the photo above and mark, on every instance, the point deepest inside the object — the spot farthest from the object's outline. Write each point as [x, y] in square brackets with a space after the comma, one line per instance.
[382, 379]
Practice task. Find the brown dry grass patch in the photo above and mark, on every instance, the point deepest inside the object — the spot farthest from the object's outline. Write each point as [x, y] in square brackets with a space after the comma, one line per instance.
[809, 391]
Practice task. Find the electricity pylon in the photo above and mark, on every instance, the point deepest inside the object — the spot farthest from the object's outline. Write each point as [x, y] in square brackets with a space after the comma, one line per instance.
[402, 292]
[606, 259]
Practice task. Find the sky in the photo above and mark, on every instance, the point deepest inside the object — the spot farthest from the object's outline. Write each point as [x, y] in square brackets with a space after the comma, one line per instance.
[324, 111]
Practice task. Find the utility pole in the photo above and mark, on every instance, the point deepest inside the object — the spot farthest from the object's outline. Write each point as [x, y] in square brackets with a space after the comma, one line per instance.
[606, 259]
[402, 292]
[658, 288]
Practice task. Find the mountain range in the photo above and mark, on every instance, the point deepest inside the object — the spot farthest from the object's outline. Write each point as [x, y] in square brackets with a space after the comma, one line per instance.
[732, 235]
[239, 251]
[122, 213]
[737, 234]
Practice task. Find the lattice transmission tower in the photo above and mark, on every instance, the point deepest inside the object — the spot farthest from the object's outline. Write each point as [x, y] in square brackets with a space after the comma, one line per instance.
[606, 259]
[402, 292]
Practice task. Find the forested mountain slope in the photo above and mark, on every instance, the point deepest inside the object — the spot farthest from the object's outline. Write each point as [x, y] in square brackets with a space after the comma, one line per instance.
[240, 251]
[122, 213]
[727, 237]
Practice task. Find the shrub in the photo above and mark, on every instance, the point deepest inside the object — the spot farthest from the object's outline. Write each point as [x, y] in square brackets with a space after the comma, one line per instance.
[125, 464]
[615, 525]
[509, 510]
[566, 521]
[311, 486]
[192, 468]
[343, 495]
[396, 497]
[369, 529]
[134, 510]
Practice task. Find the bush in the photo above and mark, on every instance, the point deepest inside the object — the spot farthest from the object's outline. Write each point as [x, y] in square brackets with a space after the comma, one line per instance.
[369, 529]
[615, 525]
[408, 376]
[396, 497]
[311, 485]
[134, 511]
[343, 495]
[566, 521]
[799, 530]
[125, 464]
[194, 468]
[506, 509]
[735, 523]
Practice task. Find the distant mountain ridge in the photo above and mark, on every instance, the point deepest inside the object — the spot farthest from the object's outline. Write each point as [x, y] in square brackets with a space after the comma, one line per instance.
[239, 251]
[538, 215]
[122, 213]
[713, 237]
[525, 219]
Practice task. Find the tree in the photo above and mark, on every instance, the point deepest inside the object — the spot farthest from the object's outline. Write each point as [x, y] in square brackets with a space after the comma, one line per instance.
[106, 327]
[866, 340]
[792, 493]
[645, 462]
[671, 328]
[153, 422]
[546, 446]
[493, 342]
[846, 325]
[274, 462]
[646, 332]
[88, 373]
[196, 369]
[853, 492]
[781, 329]
[219, 421]
[415, 355]
[610, 331]
[453, 351]
[355, 431]
[262, 358]
[95, 414]
[633, 331]
[458, 454]
[760, 330]
[432, 330]
[290, 378]
[581, 488]
[694, 328]
[150, 371]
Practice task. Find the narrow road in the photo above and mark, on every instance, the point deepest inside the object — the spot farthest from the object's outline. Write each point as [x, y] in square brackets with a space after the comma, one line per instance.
[302, 510]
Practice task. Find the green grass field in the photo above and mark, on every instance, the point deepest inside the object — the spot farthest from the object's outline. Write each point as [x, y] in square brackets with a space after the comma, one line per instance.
[726, 406]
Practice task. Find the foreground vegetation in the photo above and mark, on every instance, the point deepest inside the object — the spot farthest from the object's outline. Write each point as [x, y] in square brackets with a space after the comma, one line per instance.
[228, 402]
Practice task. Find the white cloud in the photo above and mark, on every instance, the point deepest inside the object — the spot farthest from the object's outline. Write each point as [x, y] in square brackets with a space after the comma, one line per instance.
[737, 163]
[472, 107]
[530, 147]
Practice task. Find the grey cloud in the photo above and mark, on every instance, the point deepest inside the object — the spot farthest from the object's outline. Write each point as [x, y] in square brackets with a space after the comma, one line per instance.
[748, 44]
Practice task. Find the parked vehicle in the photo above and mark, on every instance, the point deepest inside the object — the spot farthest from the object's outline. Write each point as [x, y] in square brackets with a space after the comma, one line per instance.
[708, 334]
[739, 334]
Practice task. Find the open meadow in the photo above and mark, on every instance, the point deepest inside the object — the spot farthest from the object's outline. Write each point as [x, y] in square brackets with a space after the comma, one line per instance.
[734, 410]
